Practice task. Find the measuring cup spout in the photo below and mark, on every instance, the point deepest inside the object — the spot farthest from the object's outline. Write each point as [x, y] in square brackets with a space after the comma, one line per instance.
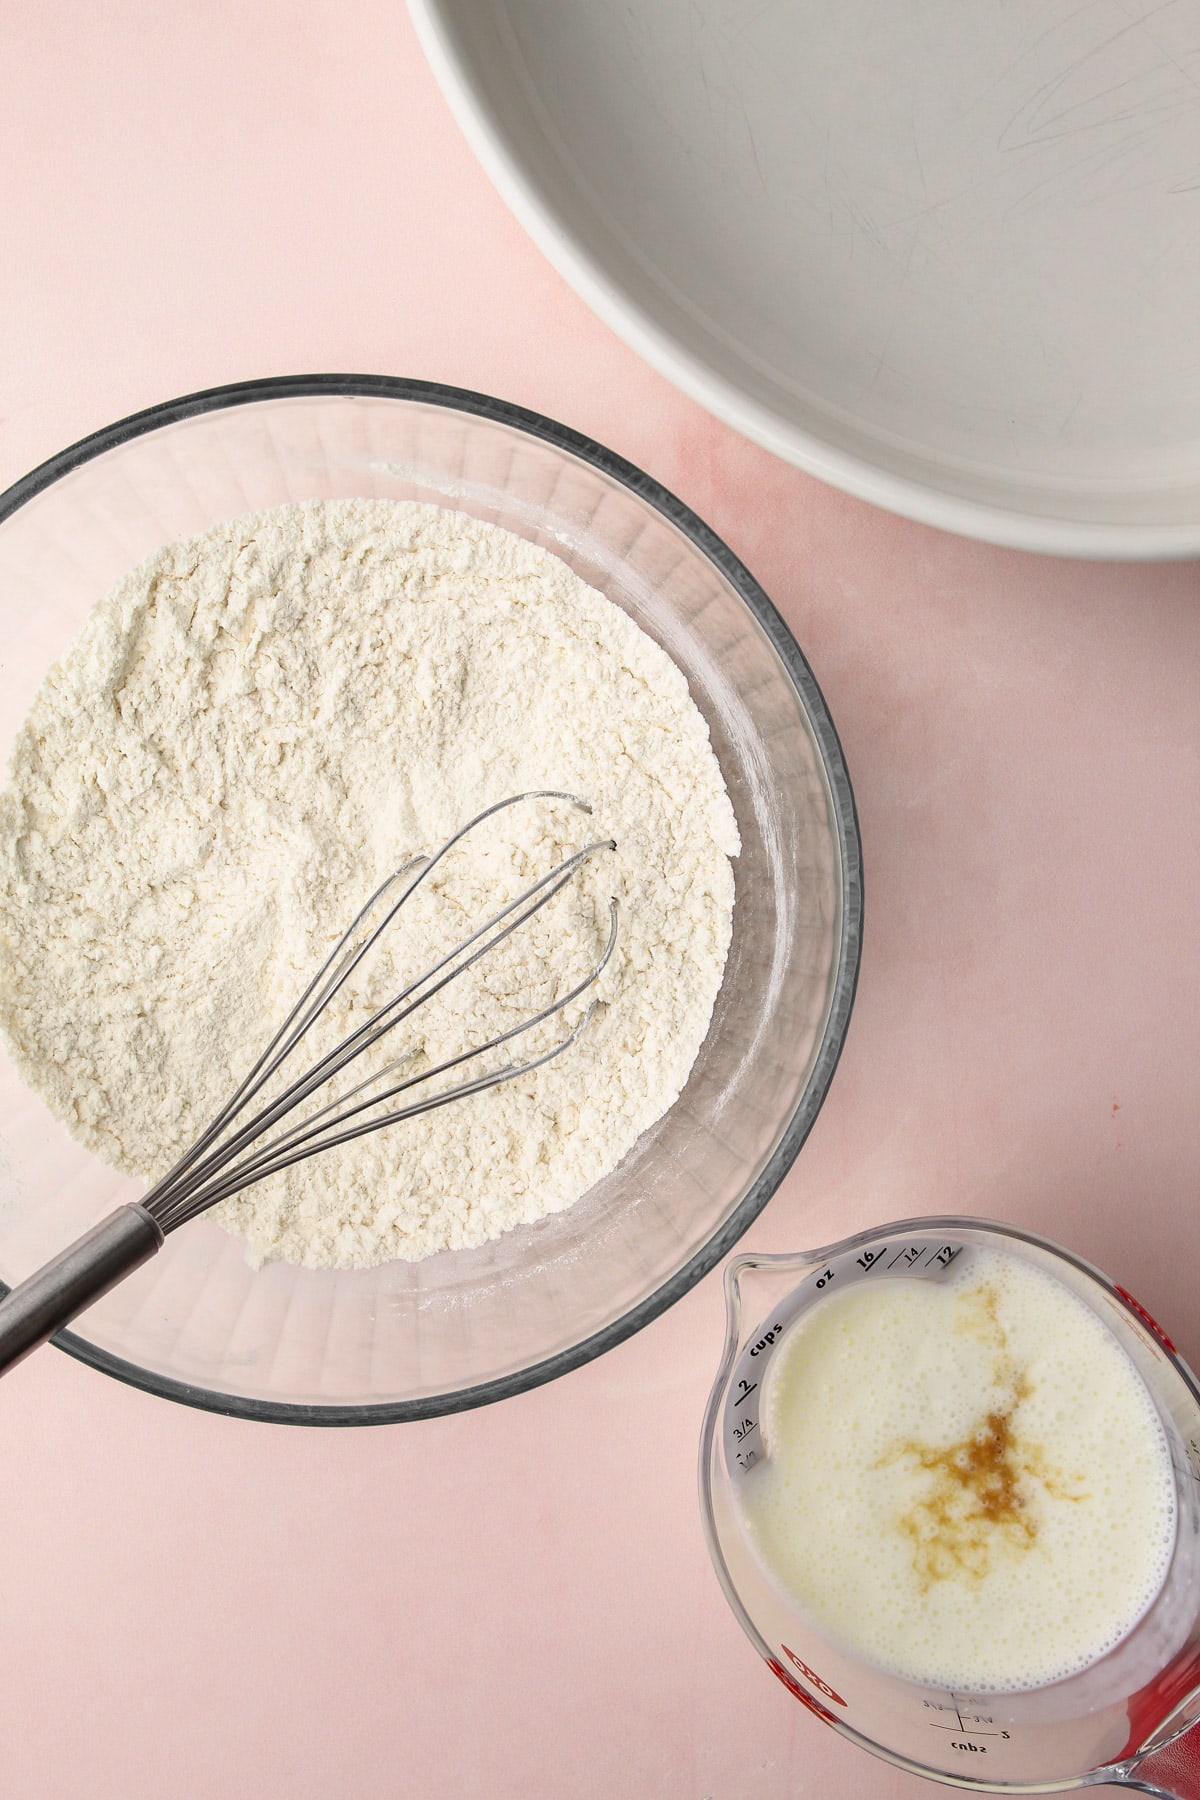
[752, 1285]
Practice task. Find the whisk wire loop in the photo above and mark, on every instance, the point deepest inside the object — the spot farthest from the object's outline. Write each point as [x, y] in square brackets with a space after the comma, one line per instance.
[212, 1170]
[309, 1008]
[400, 1007]
[309, 1137]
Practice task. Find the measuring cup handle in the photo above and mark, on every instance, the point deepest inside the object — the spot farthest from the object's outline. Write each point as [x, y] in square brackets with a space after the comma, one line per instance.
[1173, 1773]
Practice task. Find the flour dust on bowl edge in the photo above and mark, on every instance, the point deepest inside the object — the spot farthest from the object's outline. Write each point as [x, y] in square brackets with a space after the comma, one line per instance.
[945, 259]
[409, 1340]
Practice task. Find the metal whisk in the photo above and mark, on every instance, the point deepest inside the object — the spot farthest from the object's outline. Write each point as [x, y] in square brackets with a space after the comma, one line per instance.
[230, 1156]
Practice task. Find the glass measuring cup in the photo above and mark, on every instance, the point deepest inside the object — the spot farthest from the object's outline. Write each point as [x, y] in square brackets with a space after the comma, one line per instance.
[1118, 1720]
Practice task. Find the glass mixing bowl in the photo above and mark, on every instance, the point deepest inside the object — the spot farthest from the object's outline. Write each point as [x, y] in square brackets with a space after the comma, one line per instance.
[408, 1340]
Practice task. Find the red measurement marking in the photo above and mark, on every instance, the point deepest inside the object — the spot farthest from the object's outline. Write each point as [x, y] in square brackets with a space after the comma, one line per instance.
[793, 1687]
[1146, 1319]
[822, 1687]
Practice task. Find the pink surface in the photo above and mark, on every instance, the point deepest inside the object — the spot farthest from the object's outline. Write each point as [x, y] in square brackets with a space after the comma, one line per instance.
[518, 1601]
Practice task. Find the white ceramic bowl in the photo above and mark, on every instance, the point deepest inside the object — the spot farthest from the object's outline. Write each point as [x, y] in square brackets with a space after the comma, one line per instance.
[944, 256]
[409, 1339]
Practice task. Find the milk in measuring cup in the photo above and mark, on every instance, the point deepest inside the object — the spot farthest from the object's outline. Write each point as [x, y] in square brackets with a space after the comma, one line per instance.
[965, 1480]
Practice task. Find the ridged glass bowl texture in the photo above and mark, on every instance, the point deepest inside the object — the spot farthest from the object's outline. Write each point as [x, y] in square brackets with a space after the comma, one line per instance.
[411, 1339]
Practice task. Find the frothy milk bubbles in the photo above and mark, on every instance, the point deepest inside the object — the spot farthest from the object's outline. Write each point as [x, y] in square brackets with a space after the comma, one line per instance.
[966, 1480]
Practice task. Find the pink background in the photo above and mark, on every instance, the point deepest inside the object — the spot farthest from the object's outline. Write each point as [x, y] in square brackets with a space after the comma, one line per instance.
[518, 1601]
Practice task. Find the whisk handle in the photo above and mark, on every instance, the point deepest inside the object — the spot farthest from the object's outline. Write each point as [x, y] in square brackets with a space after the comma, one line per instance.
[95, 1262]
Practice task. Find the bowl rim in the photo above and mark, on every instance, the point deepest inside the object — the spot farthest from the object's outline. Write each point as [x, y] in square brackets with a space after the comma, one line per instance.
[844, 819]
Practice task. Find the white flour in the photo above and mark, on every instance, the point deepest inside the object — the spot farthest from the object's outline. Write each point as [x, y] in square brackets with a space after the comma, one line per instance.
[250, 732]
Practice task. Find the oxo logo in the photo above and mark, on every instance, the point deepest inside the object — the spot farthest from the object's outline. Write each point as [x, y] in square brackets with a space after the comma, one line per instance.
[822, 1687]
[793, 1686]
